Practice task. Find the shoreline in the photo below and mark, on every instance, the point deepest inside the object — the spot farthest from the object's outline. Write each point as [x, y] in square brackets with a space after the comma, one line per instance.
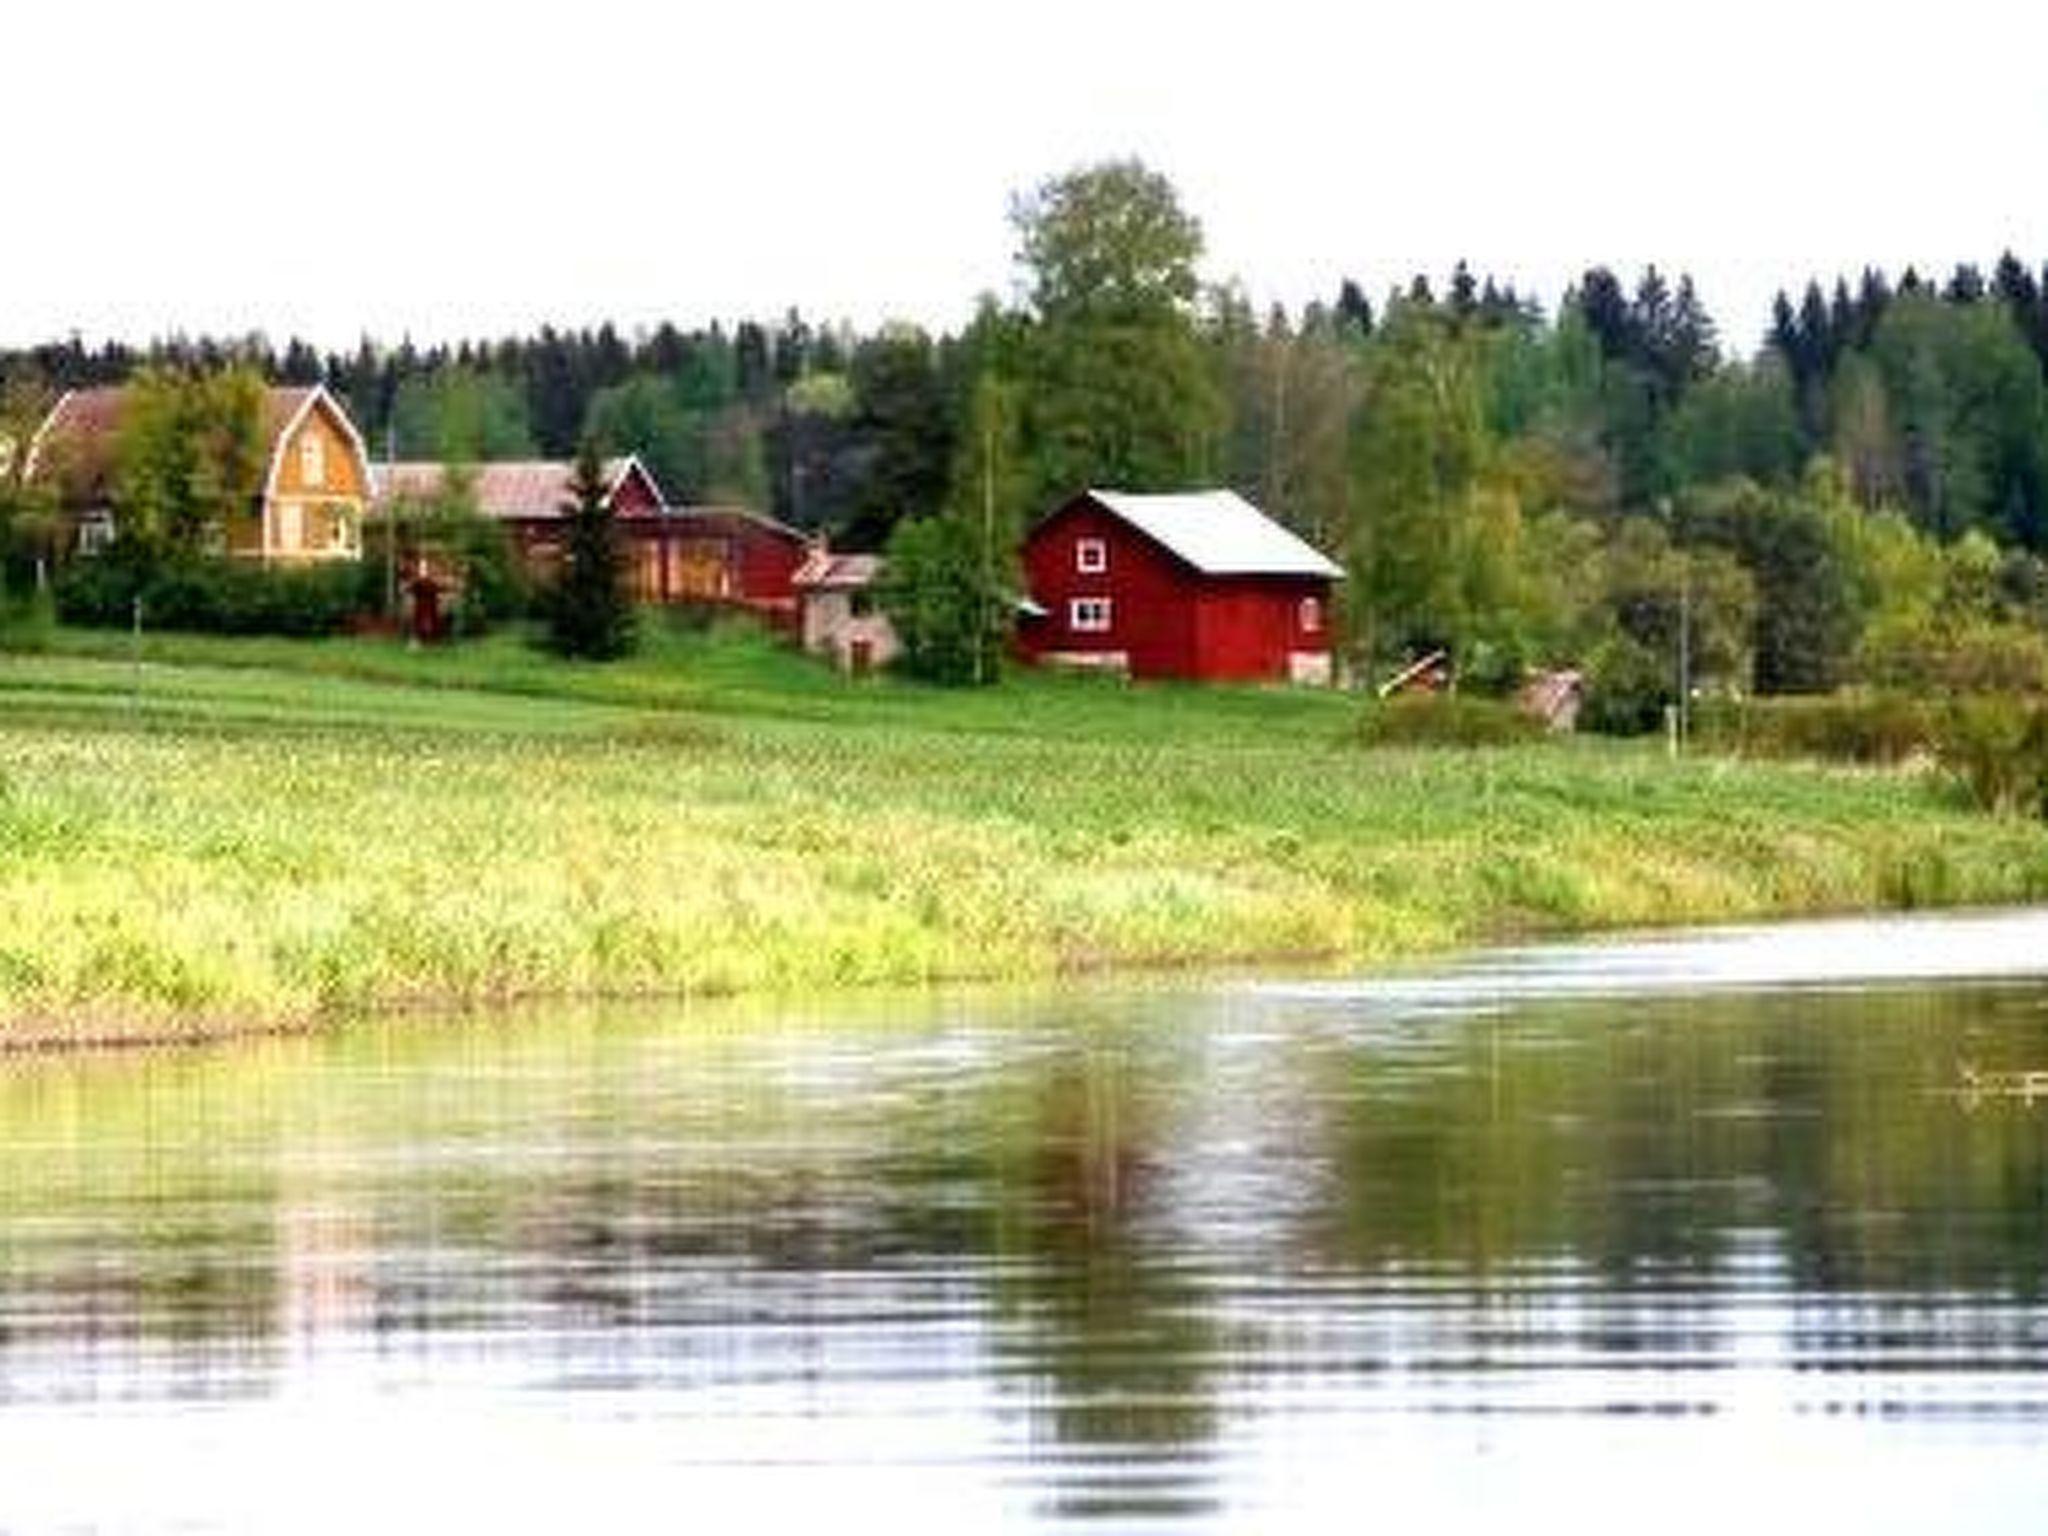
[105, 1035]
[327, 831]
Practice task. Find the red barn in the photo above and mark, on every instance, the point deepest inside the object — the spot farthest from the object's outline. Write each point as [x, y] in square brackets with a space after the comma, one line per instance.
[530, 498]
[1197, 585]
[738, 556]
[673, 554]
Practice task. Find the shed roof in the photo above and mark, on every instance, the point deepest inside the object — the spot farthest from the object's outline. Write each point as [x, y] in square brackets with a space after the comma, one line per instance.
[1219, 533]
[725, 517]
[510, 490]
[826, 571]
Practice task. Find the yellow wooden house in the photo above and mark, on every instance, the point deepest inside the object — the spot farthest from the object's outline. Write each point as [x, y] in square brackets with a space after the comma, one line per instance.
[316, 484]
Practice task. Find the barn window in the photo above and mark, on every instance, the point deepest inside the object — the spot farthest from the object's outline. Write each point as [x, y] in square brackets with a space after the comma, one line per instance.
[1088, 615]
[1311, 615]
[313, 459]
[344, 531]
[1091, 557]
[291, 525]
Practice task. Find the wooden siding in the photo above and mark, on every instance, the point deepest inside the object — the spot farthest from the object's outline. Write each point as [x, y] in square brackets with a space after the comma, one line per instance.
[634, 497]
[1248, 627]
[344, 470]
[1151, 624]
[338, 497]
[1166, 618]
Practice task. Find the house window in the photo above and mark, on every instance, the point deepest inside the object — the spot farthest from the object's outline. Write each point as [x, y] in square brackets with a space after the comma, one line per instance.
[1311, 615]
[343, 537]
[1091, 556]
[1088, 615]
[313, 459]
[291, 525]
[95, 532]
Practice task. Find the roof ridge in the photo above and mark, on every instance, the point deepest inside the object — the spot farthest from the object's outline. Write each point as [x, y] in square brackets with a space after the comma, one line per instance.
[1230, 537]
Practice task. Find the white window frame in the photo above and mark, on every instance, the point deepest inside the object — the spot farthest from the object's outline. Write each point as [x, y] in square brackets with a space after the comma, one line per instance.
[312, 459]
[1091, 556]
[95, 532]
[1311, 615]
[1090, 615]
[342, 531]
[291, 525]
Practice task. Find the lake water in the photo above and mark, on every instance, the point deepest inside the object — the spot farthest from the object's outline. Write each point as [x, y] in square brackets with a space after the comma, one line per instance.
[1737, 1229]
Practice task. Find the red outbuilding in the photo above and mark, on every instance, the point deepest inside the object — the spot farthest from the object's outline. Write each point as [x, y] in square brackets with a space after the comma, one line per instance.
[737, 556]
[530, 499]
[730, 556]
[1195, 585]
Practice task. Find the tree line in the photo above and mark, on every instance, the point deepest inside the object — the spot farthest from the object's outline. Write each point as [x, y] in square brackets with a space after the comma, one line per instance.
[1862, 498]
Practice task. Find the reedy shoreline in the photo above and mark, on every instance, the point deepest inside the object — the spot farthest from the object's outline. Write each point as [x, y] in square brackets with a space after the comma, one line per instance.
[231, 836]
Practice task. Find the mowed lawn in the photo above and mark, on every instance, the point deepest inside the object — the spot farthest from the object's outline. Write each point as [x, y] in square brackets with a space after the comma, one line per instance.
[211, 833]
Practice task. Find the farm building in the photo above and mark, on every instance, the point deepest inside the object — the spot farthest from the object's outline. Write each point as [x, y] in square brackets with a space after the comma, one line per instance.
[736, 556]
[529, 499]
[1196, 585]
[836, 612]
[316, 480]
[673, 554]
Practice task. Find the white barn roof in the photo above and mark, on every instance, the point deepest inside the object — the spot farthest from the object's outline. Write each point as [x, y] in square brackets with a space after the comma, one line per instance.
[1219, 533]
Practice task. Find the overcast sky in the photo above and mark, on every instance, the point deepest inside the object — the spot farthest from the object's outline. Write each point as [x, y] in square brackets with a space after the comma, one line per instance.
[443, 170]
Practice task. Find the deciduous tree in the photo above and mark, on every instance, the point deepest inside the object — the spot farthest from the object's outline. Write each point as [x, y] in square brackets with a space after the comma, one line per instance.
[1119, 389]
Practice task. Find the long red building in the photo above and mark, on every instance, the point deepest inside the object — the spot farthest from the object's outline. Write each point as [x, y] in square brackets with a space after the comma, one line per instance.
[729, 556]
[1195, 585]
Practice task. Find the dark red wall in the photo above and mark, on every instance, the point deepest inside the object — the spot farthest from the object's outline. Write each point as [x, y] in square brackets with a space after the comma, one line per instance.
[1152, 618]
[1247, 626]
[1169, 619]
[763, 560]
[634, 499]
[760, 560]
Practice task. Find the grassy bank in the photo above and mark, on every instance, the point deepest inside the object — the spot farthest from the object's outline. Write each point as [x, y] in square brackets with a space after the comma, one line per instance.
[262, 833]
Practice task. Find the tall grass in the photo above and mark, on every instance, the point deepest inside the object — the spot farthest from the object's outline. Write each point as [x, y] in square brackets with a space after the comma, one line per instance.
[271, 832]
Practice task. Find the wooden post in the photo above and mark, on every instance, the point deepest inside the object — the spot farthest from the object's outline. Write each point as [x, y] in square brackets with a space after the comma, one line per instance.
[135, 660]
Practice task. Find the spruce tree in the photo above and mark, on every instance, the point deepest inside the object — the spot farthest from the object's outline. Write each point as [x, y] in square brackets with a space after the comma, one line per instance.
[591, 615]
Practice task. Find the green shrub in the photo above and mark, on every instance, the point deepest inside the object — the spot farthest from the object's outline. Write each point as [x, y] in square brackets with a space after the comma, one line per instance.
[943, 592]
[1997, 747]
[97, 593]
[1878, 728]
[213, 596]
[1628, 685]
[1447, 720]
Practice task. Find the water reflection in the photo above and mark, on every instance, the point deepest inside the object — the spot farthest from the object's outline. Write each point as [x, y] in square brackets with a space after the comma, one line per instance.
[1463, 1244]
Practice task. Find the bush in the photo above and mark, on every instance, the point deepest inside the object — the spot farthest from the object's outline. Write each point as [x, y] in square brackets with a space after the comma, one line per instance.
[1447, 720]
[1877, 728]
[213, 596]
[1628, 686]
[494, 585]
[942, 592]
[1975, 658]
[1997, 747]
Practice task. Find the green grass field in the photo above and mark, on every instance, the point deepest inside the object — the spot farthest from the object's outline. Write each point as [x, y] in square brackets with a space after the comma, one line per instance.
[216, 834]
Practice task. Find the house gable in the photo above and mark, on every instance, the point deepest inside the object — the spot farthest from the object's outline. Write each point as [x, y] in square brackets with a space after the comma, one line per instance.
[1148, 625]
[317, 485]
[318, 452]
[633, 490]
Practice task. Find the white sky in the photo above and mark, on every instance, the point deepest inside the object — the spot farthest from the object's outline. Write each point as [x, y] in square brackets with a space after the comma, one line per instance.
[446, 170]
